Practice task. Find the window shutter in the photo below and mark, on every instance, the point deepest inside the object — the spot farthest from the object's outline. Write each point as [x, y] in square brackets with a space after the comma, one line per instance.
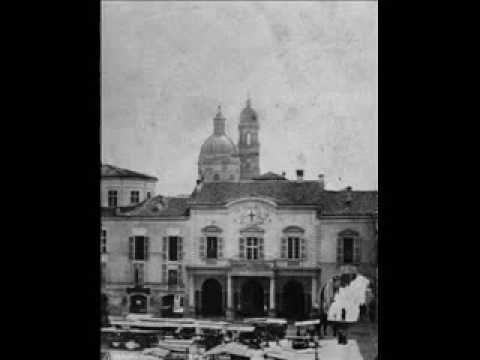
[260, 248]
[180, 275]
[180, 248]
[284, 248]
[356, 250]
[242, 248]
[220, 247]
[303, 248]
[146, 245]
[164, 273]
[165, 248]
[340, 250]
[130, 247]
[141, 274]
[202, 247]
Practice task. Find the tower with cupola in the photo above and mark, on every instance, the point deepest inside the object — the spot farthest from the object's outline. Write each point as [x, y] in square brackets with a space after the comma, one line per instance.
[218, 160]
[248, 143]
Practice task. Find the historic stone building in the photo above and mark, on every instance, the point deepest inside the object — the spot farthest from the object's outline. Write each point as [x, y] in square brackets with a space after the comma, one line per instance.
[242, 244]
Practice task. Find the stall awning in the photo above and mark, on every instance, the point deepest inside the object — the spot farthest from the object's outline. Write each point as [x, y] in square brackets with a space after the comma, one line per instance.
[307, 322]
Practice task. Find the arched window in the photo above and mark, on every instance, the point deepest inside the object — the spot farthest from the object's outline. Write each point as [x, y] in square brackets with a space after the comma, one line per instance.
[293, 243]
[248, 138]
[216, 177]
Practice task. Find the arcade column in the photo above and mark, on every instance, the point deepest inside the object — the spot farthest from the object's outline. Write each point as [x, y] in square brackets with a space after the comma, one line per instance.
[190, 308]
[315, 306]
[271, 308]
[229, 313]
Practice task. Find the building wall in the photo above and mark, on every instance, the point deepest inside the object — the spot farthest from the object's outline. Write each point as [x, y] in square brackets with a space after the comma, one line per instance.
[321, 239]
[124, 186]
[233, 219]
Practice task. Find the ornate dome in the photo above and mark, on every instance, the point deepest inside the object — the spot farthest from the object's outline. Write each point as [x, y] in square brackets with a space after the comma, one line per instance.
[248, 115]
[218, 145]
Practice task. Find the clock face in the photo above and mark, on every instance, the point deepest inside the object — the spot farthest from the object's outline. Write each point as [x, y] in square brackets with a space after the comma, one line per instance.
[252, 214]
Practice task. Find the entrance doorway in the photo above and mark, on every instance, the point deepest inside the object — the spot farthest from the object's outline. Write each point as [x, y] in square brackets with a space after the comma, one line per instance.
[138, 304]
[252, 299]
[167, 305]
[212, 298]
[293, 300]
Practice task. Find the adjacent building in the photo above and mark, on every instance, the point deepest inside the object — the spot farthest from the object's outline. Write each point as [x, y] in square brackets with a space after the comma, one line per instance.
[242, 243]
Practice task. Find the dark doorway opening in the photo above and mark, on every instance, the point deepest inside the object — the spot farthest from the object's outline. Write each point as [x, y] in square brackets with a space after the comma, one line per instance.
[293, 300]
[212, 298]
[167, 305]
[252, 298]
[138, 304]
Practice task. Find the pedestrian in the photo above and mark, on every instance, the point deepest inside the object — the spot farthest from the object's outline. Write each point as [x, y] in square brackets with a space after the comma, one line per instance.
[324, 321]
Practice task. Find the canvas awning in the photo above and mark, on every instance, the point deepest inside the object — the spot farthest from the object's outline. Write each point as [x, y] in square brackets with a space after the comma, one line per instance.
[307, 322]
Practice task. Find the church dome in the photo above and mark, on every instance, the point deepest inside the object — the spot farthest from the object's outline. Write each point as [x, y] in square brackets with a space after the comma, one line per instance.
[218, 145]
[248, 115]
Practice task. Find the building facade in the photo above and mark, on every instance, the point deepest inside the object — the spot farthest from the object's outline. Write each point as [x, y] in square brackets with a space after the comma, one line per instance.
[242, 244]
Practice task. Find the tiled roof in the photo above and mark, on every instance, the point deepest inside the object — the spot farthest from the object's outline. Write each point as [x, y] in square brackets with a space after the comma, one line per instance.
[157, 206]
[270, 176]
[284, 193]
[110, 171]
[289, 193]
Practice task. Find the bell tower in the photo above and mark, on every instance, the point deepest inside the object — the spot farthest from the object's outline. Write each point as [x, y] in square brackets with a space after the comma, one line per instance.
[248, 144]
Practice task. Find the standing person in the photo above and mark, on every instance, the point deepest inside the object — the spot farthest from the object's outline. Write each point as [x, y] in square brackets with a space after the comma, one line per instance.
[324, 321]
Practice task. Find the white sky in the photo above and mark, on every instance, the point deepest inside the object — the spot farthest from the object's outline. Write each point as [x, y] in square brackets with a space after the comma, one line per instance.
[310, 69]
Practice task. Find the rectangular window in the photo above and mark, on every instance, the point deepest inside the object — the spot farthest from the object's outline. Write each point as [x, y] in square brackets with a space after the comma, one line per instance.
[112, 198]
[103, 242]
[138, 274]
[348, 250]
[212, 247]
[172, 277]
[139, 252]
[173, 248]
[134, 197]
[252, 248]
[149, 195]
[293, 248]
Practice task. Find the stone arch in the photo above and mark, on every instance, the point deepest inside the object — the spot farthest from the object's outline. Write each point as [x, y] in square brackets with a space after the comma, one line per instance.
[212, 298]
[343, 278]
[252, 298]
[293, 300]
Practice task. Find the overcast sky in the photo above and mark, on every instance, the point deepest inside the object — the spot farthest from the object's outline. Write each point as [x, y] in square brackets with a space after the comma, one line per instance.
[309, 67]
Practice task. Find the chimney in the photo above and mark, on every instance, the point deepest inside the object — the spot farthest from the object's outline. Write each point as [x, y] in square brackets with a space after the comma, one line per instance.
[299, 175]
[349, 198]
[321, 181]
[199, 185]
